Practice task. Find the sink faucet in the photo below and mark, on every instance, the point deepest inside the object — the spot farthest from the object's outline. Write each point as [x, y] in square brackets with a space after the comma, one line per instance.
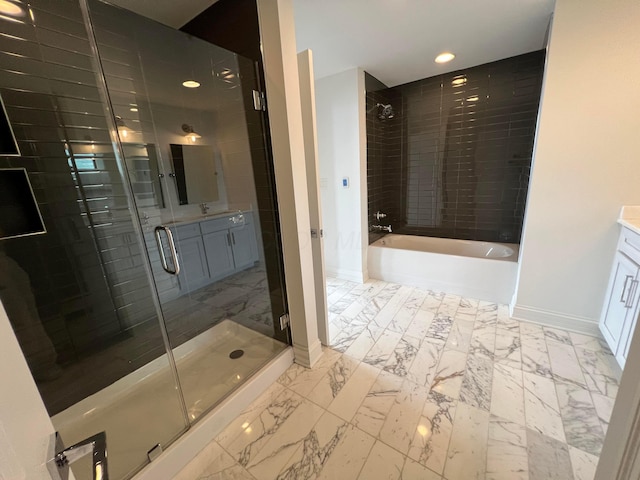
[384, 228]
[204, 208]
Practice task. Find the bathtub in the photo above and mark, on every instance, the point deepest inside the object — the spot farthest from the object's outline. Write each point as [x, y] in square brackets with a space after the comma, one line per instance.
[482, 270]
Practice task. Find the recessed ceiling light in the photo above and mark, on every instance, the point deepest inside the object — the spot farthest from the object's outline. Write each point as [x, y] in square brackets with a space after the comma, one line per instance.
[10, 8]
[190, 84]
[445, 57]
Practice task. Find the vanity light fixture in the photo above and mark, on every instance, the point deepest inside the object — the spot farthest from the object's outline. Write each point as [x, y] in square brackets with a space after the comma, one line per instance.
[190, 84]
[123, 130]
[191, 134]
[10, 8]
[445, 57]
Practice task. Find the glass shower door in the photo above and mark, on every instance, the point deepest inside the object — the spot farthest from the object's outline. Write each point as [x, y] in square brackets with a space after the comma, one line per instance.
[78, 296]
[179, 106]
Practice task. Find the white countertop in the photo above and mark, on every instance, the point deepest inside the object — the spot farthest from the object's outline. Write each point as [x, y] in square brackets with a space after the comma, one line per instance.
[203, 218]
[630, 218]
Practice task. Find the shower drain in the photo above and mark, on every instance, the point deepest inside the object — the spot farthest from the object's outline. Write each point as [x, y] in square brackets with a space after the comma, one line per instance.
[236, 354]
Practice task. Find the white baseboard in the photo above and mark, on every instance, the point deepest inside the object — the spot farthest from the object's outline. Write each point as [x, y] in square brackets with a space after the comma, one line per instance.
[549, 318]
[178, 455]
[344, 274]
[307, 357]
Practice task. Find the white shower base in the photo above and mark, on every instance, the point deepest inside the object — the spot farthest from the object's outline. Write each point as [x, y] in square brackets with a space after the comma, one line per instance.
[142, 409]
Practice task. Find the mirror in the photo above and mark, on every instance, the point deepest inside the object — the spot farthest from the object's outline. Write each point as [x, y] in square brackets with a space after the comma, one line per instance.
[196, 173]
[145, 174]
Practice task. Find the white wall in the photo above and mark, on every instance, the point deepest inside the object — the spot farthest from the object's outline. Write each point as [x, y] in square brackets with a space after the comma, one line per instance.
[26, 432]
[282, 78]
[340, 112]
[586, 162]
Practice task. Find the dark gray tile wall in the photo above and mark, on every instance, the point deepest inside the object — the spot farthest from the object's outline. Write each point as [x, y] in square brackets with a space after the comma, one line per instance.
[86, 286]
[385, 178]
[466, 145]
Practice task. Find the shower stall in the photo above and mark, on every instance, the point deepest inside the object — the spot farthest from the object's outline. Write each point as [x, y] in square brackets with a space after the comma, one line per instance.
[154, 288]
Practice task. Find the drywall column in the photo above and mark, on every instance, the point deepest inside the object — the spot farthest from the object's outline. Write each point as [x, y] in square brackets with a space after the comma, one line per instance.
[342, 150]
[277, 31]
[308, 101]
[26, 432]
[585, 164]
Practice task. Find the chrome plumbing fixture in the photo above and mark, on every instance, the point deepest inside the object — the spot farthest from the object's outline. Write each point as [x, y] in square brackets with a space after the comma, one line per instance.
[204, 207]
[379, 215]
[385, 228]
[96, 446]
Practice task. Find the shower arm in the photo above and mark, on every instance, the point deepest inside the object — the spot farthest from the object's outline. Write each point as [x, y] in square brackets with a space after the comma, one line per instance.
[95, 445]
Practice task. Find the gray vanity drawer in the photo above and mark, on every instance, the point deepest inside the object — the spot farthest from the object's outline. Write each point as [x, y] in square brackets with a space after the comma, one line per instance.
[187, 231]
[215, 225]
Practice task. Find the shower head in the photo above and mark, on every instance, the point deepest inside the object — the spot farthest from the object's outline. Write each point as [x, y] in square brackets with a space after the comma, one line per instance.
[385, 112]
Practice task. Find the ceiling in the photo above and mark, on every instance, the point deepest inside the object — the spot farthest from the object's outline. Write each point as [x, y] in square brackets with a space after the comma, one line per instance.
[395, 40]
[174, 13]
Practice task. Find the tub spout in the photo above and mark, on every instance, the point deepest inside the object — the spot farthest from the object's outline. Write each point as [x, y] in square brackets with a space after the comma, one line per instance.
[383, 228]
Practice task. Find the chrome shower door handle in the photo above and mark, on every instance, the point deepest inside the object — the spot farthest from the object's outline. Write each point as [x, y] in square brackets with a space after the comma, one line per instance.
[172, 249]
[95, 445]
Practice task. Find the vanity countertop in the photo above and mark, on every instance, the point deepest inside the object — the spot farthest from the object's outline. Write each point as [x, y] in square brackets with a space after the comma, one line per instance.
[630, 218]
[204, 218]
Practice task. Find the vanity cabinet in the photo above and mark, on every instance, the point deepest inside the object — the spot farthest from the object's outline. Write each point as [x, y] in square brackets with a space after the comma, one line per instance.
[210, 250]
[621, 307]
[219, 254]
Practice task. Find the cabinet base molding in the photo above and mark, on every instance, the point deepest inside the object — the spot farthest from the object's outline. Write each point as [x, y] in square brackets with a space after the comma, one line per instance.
[550, 318]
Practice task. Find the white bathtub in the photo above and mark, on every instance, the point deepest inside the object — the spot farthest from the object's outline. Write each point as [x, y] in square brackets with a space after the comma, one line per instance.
[482, 270]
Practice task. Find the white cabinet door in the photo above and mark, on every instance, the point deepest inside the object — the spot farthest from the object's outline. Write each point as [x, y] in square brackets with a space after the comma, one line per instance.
[630, 325]
[219, 256]
[619, 304]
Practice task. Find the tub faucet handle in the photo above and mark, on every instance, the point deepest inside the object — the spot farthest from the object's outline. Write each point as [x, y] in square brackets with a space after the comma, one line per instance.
[379, 215]
[382, 228]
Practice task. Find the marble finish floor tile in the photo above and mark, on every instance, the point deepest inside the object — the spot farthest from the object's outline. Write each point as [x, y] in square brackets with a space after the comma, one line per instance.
[433, 433]
[548, 458]
[600, 370]
[564, 363]
[507, 457]
[402, 420]
[542, 412]
[467, 455]
[375, 406]
[332, 449]
[383, 463]
[581, 423]
[507, 394]
[424, 385]
[450, 373]
[584, 465]
[477, 382]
